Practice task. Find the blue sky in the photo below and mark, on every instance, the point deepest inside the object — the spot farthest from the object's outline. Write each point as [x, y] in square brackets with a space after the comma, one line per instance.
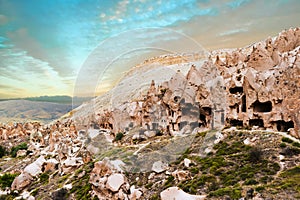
[43, 44]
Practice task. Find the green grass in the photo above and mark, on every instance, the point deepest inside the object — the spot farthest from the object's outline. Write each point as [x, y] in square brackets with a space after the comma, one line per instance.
[7, 179]
[15, 149]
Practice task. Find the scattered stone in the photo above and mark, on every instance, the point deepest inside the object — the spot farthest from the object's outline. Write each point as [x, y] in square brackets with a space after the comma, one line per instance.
[159, 166]
[21, 181]
[114, 182]
[35, 168]
[22, 153]
[187, 162]
[174, 193]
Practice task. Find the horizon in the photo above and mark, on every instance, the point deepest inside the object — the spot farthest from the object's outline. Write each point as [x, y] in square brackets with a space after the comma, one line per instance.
[44, 45]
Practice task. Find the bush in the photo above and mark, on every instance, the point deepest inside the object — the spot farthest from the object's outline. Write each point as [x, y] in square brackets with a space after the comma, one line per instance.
[234, 193]
[251, 182]
[282, 145]
[60, 194]
[287, 140]
[255, 155]
[296, 144]
[6, 180]
[14, 150]
[44, 178]
[2, 151]
[119, 136]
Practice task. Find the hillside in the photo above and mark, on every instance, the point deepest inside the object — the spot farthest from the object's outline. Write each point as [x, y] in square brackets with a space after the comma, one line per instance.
[25, 110]
[221, 127]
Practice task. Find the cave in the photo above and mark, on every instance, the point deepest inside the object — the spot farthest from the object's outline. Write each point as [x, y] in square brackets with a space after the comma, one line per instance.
[262, 107]
[205, 110]
[236, 90]
[283, 126]
[235, 122]
[244, 106]
[256, 122]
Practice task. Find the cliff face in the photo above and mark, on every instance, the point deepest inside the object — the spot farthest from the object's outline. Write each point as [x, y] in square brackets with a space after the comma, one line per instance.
[256, 86]
[262, 83]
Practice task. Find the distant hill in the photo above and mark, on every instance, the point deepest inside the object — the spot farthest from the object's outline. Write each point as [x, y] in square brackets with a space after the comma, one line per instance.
[24, 110]
[63, 99]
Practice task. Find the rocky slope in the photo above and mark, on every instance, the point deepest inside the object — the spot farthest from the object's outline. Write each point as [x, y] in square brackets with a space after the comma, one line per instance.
[224, 127]
[256, 86]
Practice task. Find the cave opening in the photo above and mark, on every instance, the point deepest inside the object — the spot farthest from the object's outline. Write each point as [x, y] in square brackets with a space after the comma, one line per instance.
[244, 106]
[236, 122]
[283, 126]
[262, 106]
[256, 122]
[236, 90]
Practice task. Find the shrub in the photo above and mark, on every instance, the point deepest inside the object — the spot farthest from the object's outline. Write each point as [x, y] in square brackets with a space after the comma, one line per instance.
[60, 194]
[44, 178]
[287, 140]
[251, 182]
[14, 150]
[6, 180]
[119, 136]
[2, 151]
[255, 155]
[296, 144]
[234, 193]
[282, 145]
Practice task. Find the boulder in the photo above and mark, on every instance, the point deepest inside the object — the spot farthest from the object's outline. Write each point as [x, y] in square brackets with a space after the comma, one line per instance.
[114, 182]
[21, 181]
[159, 166]
[174, 193]
[35, 168]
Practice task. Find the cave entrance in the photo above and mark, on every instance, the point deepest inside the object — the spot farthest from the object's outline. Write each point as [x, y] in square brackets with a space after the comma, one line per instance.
[283, 126]
[244, 106]
[236, 90]
[262, 107]
[256, 122]
[236, 122]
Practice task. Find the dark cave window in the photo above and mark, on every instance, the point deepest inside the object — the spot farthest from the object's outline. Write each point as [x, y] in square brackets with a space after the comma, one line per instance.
[262, 107]
[256, 122]
[235, 122]
[236, 90]
[244, 106]
[284, 126]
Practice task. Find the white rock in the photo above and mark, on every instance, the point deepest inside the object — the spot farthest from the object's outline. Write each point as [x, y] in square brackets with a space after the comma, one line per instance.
[247, 141]
[187, 162]
[150, 134]
[151, 176]
[135, 193]
[93, 133]
[68, 186]
[114, 182]
[35, 168]
[52, 160]
[174, 193]
[159, 166]
[70, 162]
[31, 198]
[21, 153]
[281, 157]
[118, 164]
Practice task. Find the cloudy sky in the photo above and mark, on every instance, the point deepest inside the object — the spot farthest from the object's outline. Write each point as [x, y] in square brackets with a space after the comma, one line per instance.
[45, 46]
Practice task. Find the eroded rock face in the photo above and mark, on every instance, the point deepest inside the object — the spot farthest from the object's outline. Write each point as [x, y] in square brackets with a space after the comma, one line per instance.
[262, 83]
[257, 86]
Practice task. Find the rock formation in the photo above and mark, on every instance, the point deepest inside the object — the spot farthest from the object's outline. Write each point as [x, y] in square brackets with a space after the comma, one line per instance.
[257, 86]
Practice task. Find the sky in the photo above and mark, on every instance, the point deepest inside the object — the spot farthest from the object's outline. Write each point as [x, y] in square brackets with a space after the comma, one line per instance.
[50, 47]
